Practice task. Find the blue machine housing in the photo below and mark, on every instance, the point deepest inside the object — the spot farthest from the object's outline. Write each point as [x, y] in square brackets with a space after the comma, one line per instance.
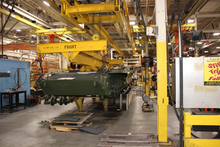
[9, 74]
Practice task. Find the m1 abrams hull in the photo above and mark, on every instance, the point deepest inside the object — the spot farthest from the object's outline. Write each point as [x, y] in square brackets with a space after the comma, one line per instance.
[106, 85]
[64, 87]
[84, 83]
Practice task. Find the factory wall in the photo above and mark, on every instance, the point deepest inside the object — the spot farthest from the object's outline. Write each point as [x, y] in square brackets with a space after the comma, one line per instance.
[11, 66]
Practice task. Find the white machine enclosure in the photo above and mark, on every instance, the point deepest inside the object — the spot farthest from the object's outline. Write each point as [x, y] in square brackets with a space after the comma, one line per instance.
[195, 93]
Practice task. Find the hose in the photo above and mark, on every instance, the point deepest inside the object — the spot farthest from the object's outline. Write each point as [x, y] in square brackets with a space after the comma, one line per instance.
[142, 17]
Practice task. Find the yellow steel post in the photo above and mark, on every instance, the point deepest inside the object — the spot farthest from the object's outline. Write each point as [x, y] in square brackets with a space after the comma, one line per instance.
[187, 128]
[93, 100]
[162, 99]
[105, 104]
[77, 104]
[80, 103]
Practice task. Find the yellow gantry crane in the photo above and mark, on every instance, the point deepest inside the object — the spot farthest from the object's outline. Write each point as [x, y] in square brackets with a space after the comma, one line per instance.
[115, 12]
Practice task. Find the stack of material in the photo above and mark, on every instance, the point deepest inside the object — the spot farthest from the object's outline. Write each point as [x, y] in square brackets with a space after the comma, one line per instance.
[71, 122]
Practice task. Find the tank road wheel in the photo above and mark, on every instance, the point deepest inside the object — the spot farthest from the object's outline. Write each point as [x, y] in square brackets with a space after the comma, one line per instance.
[61, 101]
[117, 102]
[124, 101]
[65, 101]
[52, 101]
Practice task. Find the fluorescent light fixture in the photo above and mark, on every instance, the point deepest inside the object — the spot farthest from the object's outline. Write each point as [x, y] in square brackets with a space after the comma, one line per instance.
[140, 37]
[81, 25]
[33, 35]
[206, 51]
[199, 42]
[19, 39]
[191, 48]
[218, 47]
[216, 34]
[32, 41]
[18, 30]
[132, 22]
[190, 20]
[15, 36]
[70, 37]
[46, 3]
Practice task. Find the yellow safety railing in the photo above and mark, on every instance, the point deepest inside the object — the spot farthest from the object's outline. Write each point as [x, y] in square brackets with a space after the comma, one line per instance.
[205, 120]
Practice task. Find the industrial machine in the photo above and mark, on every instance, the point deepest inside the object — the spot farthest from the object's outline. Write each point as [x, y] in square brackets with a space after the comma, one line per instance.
[14, 75]
[66, 87]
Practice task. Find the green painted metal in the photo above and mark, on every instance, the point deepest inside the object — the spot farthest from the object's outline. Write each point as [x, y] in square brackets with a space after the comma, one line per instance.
[78, 84]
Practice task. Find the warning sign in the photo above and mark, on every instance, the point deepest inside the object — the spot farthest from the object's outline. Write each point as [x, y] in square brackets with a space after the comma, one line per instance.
[212, 71]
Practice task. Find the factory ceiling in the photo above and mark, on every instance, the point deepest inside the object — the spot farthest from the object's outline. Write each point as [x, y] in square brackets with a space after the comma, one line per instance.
[207, 14]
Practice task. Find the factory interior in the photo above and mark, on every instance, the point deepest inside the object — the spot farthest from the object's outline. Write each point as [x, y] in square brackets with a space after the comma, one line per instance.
[110, 73]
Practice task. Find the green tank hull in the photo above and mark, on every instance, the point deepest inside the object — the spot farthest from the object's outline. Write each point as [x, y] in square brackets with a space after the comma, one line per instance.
[79, 84]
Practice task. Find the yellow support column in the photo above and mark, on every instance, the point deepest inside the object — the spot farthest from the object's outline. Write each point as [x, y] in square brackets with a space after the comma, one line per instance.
[162, 99]
[93, 100]
[105, 104]
[79, 103]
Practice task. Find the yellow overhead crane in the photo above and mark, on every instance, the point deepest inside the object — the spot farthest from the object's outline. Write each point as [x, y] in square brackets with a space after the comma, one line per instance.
[84, 14]
[80, 53]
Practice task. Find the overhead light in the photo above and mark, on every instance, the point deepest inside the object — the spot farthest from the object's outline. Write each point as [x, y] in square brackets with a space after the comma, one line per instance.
[140, 37]
[136, 52]
[199, 42]
[169, 43]
[70, 37]
[19, 39]
[18, 30]
[32, 41]
[218, 47]
[15, 36]
[82, 25]
[218, 54]
[191, 48]
[190, 20]
[135, 48]
[46, 3]
[33, 35]
[132, 23]
[206, 51]
[216, 34]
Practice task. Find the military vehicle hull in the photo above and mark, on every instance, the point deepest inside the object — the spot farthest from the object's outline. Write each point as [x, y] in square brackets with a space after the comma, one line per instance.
[84, 83]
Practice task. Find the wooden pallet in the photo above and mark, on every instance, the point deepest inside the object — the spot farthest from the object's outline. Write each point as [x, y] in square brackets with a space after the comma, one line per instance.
[70, 126]
[64, 129]
[128, 140]
[79, 123]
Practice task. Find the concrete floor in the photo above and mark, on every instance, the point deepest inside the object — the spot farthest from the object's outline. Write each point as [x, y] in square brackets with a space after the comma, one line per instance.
[21, 128]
